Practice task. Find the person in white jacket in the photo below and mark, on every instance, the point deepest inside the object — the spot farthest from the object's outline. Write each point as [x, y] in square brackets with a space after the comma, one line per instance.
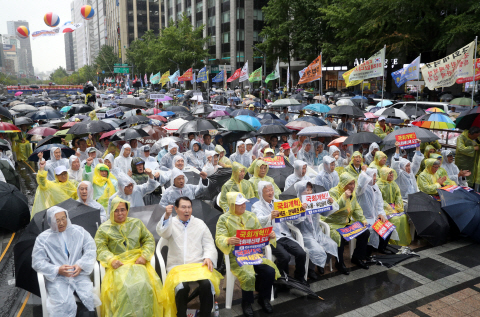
[454, 173]
[406, 171]
[189, 241]
[133, 193]
[123, 162]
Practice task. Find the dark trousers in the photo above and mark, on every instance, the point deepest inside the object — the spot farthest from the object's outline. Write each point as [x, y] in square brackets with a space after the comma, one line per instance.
[264, 278]
[360, 250]
[382, 244]
[205, 295]
[285, 248]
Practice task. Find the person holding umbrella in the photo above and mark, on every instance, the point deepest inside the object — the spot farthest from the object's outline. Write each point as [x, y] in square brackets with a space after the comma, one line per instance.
[381, 129]
[236, 183]
[55, 161]
[467, 154]
[65, 254]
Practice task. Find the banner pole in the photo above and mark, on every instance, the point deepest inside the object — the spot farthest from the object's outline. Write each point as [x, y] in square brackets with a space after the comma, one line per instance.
[383, 75]
[321, 75]
[474, 64]
[418, 88]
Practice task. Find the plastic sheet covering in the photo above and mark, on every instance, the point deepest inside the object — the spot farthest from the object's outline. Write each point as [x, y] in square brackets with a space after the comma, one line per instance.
[234, 185]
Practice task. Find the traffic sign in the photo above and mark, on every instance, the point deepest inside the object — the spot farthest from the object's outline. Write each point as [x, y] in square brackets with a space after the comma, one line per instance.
[121, 70]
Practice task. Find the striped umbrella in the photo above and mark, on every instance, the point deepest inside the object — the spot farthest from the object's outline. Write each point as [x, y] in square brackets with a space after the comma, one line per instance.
[434, 109]
[434, 121]
[6, 127]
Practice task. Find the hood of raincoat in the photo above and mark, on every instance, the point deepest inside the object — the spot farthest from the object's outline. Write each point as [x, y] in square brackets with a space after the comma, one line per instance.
[332, 149]
[123, 181]
[429, 164]
[231, 198]
[378, 157]
[305, 143]
[236, 168]
[137, 161]
[51, 212]
[326, 161]
[111, 159]
[370, 172]
[172, 145]
[125, 146]
[356, 153]
[297, 167]
[89, 192]
[98, 179]
[345, 179]
[437, 157]
[238, 144]
[300, 187]
[115, 202]
[372, 147]
[256, 170]
[142, 152]
[195, 142]
[403, 164]
[52, 155]
[176, 158]
[384, 171]
[219, 149]
[174, 174]
[427, 149]
[72, 159]
[261, 186]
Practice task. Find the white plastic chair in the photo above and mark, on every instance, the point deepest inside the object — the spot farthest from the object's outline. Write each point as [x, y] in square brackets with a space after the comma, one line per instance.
[44, 295]
[326, 231]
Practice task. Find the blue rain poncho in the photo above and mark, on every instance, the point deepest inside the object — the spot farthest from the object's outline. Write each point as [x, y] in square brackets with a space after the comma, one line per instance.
[52, 163]
[122, 163]
[308, 157]
[73, 246]
[136, 198]
[189, 190]
[407, 181]
[326, 178]
[90, 202]
[297, 174]
[317, 244]
[245, 159]
[196, 159]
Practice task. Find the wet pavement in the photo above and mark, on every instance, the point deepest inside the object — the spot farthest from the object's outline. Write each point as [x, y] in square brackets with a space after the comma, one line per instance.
[442, 281]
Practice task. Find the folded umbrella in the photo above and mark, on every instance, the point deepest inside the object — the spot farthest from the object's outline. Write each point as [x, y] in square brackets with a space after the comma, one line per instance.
[14, 210]
[290, 282]
[66, 152]
[90, 127]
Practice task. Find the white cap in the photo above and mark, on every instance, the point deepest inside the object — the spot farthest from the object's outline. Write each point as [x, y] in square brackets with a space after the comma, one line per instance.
[60, 169]
[269, 150]
[248, 141]
[381, 118]
[240, 200]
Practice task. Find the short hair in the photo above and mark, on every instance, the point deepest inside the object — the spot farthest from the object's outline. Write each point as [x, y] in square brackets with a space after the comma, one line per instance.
[437, 163]
[474, 130]
[138, 111]
[191, 133]
[177, 202]
[205, 136]
[310, 184]
[81, 141]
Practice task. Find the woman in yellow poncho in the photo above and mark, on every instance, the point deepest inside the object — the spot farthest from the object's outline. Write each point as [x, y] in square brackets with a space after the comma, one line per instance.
[441, 172]
[251, 277]
[349, 208]
[428, 150]
[393, 205]
[112, 148]
[380, 161]
[104, 183]
[51, 193]
[355, 166]
[223, 161]
[429, 180]
[131, 286]
[236, 184]
[260, 170]
[21, 146]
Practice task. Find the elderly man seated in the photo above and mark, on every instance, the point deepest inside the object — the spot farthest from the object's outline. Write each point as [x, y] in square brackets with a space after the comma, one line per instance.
[133, 193]
[191, 258]
[180, 188]
[131, 287]
[65, 255]
[299, 174]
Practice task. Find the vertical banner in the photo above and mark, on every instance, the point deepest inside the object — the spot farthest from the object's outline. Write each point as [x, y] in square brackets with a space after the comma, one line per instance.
[313, 71]
[244, 73]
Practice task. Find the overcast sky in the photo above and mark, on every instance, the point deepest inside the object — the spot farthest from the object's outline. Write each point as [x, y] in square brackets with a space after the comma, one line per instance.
[48, 53]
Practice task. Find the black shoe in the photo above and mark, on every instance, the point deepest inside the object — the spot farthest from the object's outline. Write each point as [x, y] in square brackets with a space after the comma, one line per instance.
[385, 251]
[321, 270]
[342, 268]
[265, 304]
[247, 309]
[360, 263]
[312, 275]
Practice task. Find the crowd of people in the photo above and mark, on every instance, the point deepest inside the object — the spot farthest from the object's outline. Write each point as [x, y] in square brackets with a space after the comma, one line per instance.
[364, 184]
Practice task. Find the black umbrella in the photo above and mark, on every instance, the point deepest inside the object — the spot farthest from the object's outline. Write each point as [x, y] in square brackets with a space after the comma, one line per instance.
[51, 139]
[411, 110]
[342, 133]
[193, 178]
[90, 127]
[430, 221]
[423, 134]
[290, 282]
[23, 120]
[44, 115]
[279, 175]
[79, 109]
[79, 214]
[273, 129]
[220, 99]
[66, 151]
[177, 109]
[362, 103]
[215, 183]
[346, 110]
[14, 210]
[4, 145]
[132, 103]
[267, 115]
[11, 175]
[150, 216]
[185, 116]
[4, 112]
[128, 134]
[136, 119]
[468, 119]
[290, 192]
[199, 125]
[362, 137]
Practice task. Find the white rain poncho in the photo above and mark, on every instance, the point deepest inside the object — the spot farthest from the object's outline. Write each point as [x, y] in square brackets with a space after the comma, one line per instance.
[190, 244]
[167, 159]
[326, 178]
[90, 202]
[340, 162]
[245, 159]
[136, 197]
[196, 159]
[111, 159]
[452, 170]
[7, 157]
[73, 246]
[75, 175]
[257, 149]
[317, 244]
[263, 211]
[150, 161]
[407, 181]
[123, 164]
[369, 156]
[297, 174]
[172, 193]
[370, 199]
[97, 160]
[52, 163]
[209, 168]
[308, 157]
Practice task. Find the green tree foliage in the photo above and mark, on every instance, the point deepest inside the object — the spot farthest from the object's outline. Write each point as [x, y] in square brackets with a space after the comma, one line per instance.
[106, 59]
[58, 74]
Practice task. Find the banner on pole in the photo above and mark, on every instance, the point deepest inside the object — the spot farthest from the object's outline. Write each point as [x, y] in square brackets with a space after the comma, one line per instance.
[164, 78]
[463, 80]
[174, 78]
[371, 68]
[187, 76]
[202, 75]
[219, 78]
[155, 79]
[256, 75]
[409, 72]
[313, 71]
[275, 74]
[348, 82]
[235, 75]
[244, 73]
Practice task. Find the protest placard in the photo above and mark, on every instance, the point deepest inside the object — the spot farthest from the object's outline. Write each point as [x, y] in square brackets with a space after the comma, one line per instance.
[275, 162]
[157, 96]
[352, 231]
[219, 107]
[317, 203]
[113, 111]
[289, 209]
[249, 250]
[407, 140]
[384, 229]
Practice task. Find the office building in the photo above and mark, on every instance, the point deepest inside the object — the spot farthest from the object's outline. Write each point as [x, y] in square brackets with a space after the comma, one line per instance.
[69, 53]
[24, 64]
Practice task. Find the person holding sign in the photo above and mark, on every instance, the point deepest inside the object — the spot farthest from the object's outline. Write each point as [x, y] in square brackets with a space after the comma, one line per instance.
[318, 245]
[328, 176]
[393, 203]
[299, 171]
[251, 277]
[356, 167]
[381, 129]
[286, 245]
[260, 170]
[236, 183]
[345, 196]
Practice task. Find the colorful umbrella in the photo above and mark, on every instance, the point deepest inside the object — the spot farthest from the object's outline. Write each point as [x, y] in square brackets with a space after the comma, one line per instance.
[300, 125]
[318, 107]
[157, 117]
[217, 113]
[6, 127]
[43, 131]
[109, 134]
[370, 115]
[18, 93]
[65, 109]
[434, 121]
[462, 102]
[384, 103]
[434, 109]
[166, 113]
[69, 124]
[338, 141]
[250, 120]
[233, 124]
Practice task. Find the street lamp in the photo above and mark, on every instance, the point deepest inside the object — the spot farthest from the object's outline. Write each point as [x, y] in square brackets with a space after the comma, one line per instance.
[178, 67]
[264, 69]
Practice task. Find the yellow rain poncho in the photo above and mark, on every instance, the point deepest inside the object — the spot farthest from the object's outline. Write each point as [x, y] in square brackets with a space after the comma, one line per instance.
[426, 155]
[466, 158]
[227, 226]
[256, 178]
[93, 115]
[112, 148]
[351, 169]
[186, 273]
[233, 185]
[51, 193]
[382, 133]
[103, 187]
[132, 289]
[219, 149]
[436, 145]
[348, 208]
[441, 171]
[427, 181]
[379, 155]
[22, 147]
[392, 195]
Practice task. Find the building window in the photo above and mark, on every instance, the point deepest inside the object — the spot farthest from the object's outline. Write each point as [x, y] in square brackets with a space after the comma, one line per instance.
[257, 15]
[240, 13]
[200, 7]
[179, 1]
[240, 35]
[211, 21]
[199, 23]
[226, 37]
[212, 40]
[189, 11]
[225, 55]
[211, 3]
[240, 57]
[226, 17]
[256, 37]
[179, 16]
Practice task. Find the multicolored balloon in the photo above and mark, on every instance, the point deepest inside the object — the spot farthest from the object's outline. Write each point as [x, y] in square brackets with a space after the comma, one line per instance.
[23, 32]
[87, 12]
[51, 19]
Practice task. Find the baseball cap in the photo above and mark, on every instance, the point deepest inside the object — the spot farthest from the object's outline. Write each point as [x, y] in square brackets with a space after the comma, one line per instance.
[285, 146]
[269, 150]
[92, 149]
[60, 169]
[146, 148]
[381, 118]
[240, 200]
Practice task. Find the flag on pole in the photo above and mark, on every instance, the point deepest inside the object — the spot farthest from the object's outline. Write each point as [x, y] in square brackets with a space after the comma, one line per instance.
[206, 79]
[348, 82]
[444, 72]
[256, 75]
[165, 78]
[244, 73]
[235, 75]
[371, 68]
[313, 71]
[202, 75]
[225, 78]
[275, 74]
[174, 78]
[155, 79]
[300, 72]
[409, 72]
[187, 76]
[145, 79]
[219, 78]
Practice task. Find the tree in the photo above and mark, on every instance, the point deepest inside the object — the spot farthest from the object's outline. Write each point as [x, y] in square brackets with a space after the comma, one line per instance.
[58, 73]
[106, 58]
